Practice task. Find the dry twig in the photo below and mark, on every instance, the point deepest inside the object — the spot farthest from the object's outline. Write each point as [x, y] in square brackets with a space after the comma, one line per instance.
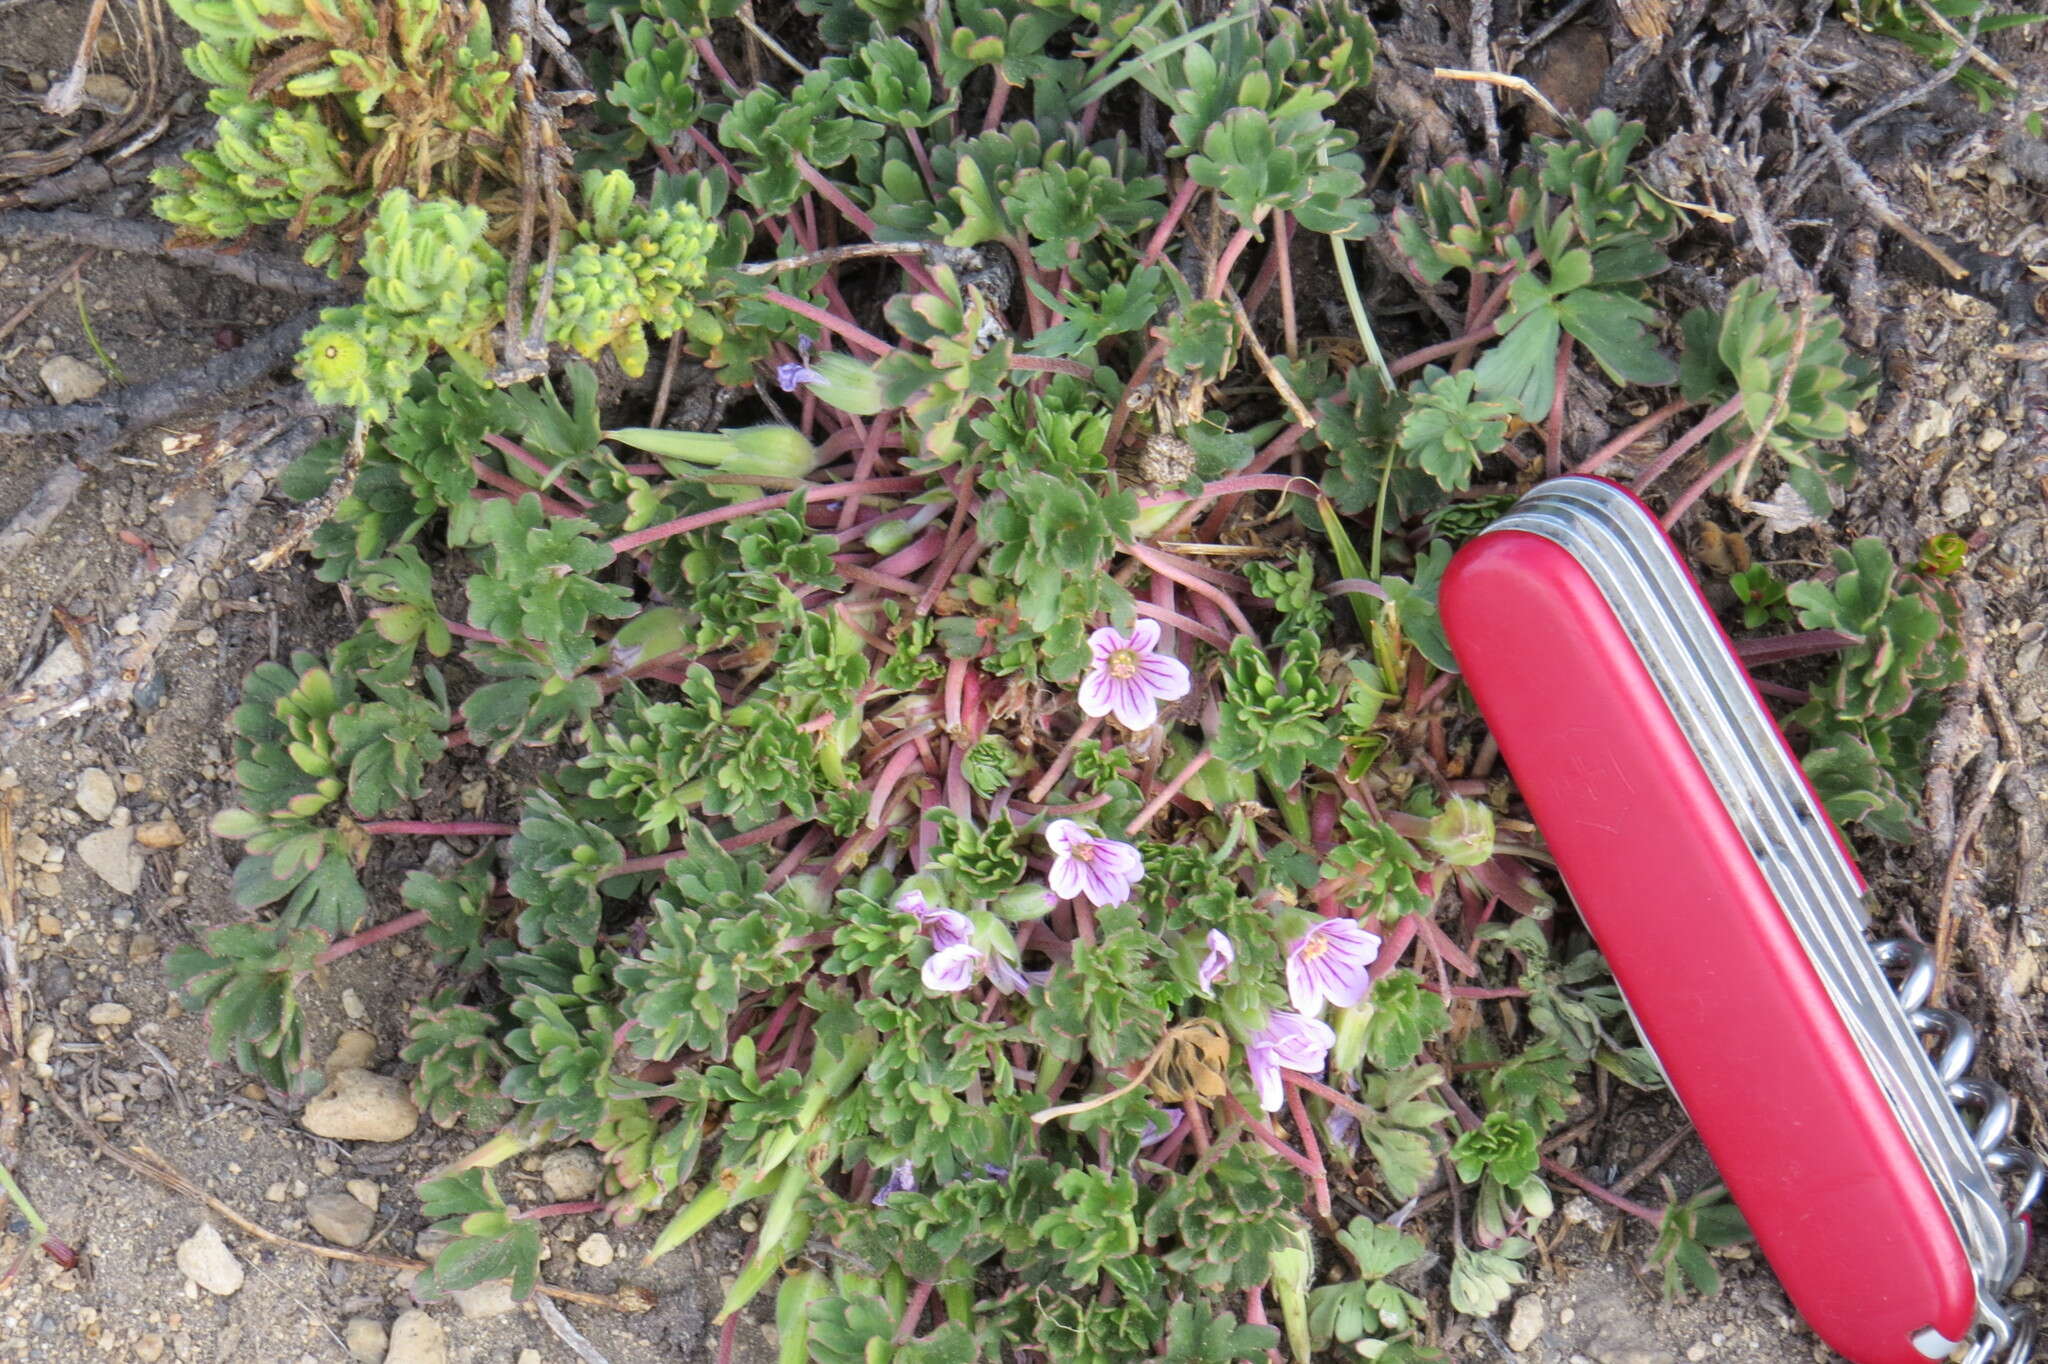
[265, 270]
[1857, 180]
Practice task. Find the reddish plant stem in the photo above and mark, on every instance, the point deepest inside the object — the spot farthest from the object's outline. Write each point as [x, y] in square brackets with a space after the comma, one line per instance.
[998, 99]
[924, 163]
[717, 65]
[1596, 461]
[912, 1311]
[1278, 449]
[1605, 1195]
[1161, 562]
[1079, 807]
[832, 195]
[1241, 483]
[505, 483]
[1162, 234]
[1327, 1094]
[391, 928]
[1167, 792]
[1232, 249]
[819, 494]
[1216, 639]
[439, 828]
[1282, 246]
[1051, 365]
[767, 833]
[1320, 1184]
[513, 450]
[831, 322]
[1675, 451]
[1269, 1138]
[773, 1028]
[952, 561]
[1806, 643]
[726, 1335]
[462, 631]
[575, 1209]
[1553, 436]
[1417, 359]
[863, 467]
[1060, 760]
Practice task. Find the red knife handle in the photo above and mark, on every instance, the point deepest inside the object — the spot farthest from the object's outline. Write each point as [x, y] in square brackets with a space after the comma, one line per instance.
[1721, 986]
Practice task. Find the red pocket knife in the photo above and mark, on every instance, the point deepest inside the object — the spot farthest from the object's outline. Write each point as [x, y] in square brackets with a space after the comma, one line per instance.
[1874, 1171]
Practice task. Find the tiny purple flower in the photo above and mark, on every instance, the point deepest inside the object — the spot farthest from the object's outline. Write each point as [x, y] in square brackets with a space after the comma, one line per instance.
[1222, 953]
[1128, 676]
[1158, 1127]
[793, 376]
[1333, 962]
[1287, 1042]
[1101, 868]
[902, 1179]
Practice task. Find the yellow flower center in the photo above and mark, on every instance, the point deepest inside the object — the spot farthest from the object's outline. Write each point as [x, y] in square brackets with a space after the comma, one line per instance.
[1082, 852]
[1123, 664]
[1314, 946]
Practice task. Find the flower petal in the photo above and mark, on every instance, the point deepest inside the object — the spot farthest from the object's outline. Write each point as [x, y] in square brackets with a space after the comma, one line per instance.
[951, 969]
[1134, 708]
[1065, 877]
[1098, 691]
[1103, 643]
[1144, 636]
[1266, 1077]
[1063, 836]
[1164, 676]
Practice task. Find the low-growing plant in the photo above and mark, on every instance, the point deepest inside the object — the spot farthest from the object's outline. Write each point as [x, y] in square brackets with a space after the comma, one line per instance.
[970, 831]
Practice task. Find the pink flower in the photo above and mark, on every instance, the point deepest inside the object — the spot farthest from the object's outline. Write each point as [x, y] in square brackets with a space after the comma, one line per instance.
[1222, 953]
[1101, 868]
[949, 970]
[1128, 677]
[1287, 1042]
[1332, 961]
[945, 927]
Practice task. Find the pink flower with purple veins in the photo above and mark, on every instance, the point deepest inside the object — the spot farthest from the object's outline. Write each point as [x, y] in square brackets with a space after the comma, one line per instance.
[1333, 962]
[945, 927]
[1221, 955]
[1102, 869]
[949, 970]
[1289, 1041]
[1128, 676]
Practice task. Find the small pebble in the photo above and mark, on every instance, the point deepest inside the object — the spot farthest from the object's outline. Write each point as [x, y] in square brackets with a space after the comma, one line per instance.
[366, 1339]
[157, 834]
[340, 1218]
[417, 1338]
[493, 1299]
[366, 1192]
[353, 1050]
[97, 795]
[596, 1250]
[358, 1105]
[206, 1260]
[571, 1173]
[109, 1016]
[71, 380]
